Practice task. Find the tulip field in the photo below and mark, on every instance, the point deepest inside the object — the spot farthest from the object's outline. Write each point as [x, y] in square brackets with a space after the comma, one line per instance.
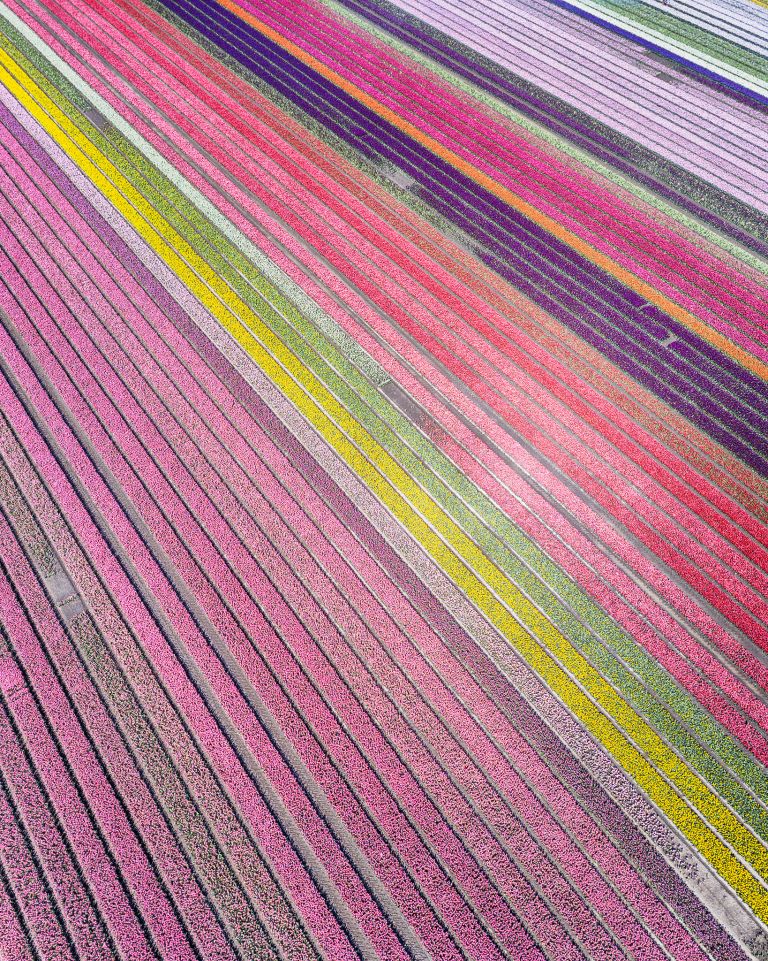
[383, 480]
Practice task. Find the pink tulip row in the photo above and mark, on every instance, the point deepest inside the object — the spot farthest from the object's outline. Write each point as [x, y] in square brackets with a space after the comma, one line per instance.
[206, 783]
[238, 709]
[77, 787]
[84, 729]
[21, 801]
[221, 753]
[172, 800]
[13, 935]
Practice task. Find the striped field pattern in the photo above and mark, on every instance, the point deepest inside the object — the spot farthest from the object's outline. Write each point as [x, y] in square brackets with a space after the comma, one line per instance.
[383, 480]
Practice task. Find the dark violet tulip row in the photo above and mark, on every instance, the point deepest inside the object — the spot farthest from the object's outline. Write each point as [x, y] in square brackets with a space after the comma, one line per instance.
[246, 111]
[720, 288]
[642, 323]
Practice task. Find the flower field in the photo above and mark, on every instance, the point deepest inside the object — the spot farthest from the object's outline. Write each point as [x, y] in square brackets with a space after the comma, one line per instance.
[383, 480]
